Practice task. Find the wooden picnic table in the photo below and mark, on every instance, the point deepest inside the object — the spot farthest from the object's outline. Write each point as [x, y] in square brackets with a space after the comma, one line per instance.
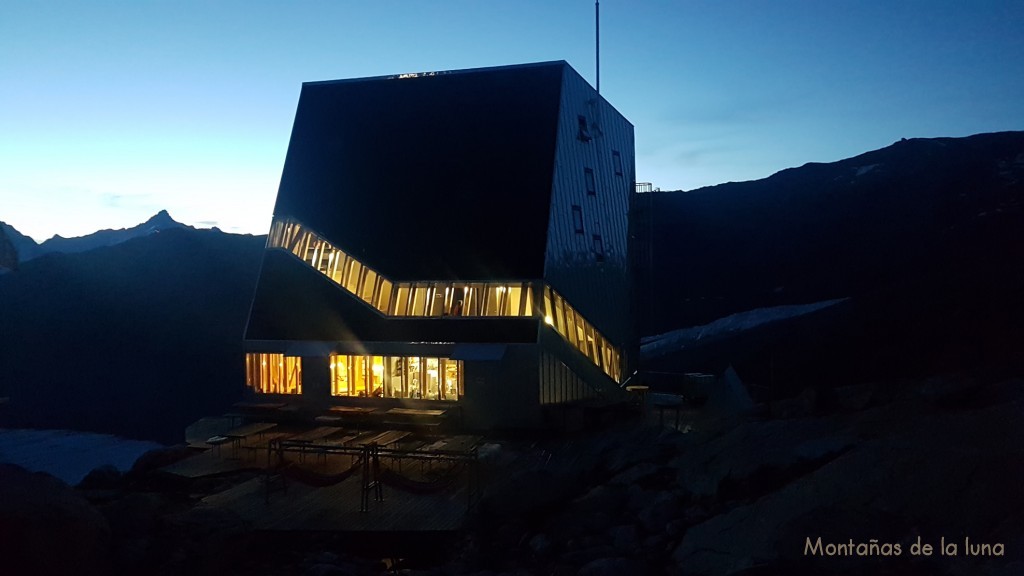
[371, 438]
[417, 412]
[247, 430]
[460, 443]
[315, 434]
[361, 438]
[392, 437]
[242, 432]
[260, 405]
[351, 410]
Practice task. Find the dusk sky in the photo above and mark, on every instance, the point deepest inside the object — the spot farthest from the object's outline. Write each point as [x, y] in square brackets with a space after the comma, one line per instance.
[111, 111]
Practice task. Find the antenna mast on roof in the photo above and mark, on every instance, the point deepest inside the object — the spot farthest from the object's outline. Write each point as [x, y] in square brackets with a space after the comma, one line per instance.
[597, 41]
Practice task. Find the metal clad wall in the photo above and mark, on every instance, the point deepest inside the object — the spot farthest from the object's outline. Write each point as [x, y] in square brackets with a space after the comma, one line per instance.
[504, 393]
[599, 290]
[428, 178]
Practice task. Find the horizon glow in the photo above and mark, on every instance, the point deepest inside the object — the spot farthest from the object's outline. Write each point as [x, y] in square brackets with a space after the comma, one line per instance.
[111, 111]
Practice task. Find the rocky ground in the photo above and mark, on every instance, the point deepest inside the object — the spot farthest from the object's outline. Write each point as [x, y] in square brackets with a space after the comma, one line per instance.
[733, 494]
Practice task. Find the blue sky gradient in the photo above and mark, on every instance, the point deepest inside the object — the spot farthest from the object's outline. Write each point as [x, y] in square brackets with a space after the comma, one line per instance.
[111, 111]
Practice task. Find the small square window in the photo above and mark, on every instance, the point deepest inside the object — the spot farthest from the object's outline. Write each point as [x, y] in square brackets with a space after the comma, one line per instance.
[617, 161]
[577, 219]
[598, 247]
[588, 175]
[584, 133]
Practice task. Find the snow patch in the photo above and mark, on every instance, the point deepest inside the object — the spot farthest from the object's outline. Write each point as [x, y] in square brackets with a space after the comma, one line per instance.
[661, 344]
[69, 455]
[865, 169]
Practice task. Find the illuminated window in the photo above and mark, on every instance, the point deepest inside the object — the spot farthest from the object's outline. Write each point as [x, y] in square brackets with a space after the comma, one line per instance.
[617, 162]
[409, 377]
[560, 318]
[368, 285]
[402, 300]
[492, 300]
[474, 299]
[350, 277]
[420, 292]
[433, 299]
[513, 301]
[588, 176]
[437, 298]
[384, 296]
[273, 373]
[548, 312]
[396, 377]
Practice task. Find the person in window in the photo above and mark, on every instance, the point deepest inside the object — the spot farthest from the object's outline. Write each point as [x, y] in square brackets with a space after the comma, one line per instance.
[456, 308]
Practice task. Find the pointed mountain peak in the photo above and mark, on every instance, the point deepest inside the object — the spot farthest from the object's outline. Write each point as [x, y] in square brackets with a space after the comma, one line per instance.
[161, 218]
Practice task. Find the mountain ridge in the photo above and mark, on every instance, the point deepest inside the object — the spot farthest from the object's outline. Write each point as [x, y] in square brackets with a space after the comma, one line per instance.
[137, 339]
[27, 248]
[921, 240]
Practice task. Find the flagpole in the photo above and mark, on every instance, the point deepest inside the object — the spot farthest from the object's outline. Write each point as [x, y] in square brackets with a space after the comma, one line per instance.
[597, 41]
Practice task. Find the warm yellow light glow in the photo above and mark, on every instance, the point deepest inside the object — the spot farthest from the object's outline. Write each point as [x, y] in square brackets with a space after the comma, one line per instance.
[396, 377]
[266, 376]
[423, 299]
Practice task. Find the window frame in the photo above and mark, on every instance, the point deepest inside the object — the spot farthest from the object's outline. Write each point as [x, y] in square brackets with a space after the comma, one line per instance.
[577, 219]
[583, 127]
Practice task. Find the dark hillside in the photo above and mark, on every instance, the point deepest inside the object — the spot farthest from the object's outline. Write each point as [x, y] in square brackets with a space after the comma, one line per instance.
[826, 231]
[925, 236]
[137, 339]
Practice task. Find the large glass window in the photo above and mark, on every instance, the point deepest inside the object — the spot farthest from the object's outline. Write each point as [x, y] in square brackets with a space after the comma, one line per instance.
[384, 296]
[273, 373]
[580, 333]
[419, 300]
[514, 301]
[402, 300]
[368, 285]
[427, 378]
[432, 299]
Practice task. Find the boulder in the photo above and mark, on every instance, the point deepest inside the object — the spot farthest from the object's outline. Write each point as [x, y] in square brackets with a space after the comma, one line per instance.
[935, 474]
[106, 477]
[525, 494]
[659, 510]
[47, 528]
[609, 567]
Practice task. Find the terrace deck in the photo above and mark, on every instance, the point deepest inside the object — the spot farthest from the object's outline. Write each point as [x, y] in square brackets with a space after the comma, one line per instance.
[210, 463]
[336, 508]
[302, 507]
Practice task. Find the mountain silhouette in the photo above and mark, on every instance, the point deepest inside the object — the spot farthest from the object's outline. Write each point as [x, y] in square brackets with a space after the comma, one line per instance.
[28, 249]
[923, 238]
[137, 339]
[916, 247]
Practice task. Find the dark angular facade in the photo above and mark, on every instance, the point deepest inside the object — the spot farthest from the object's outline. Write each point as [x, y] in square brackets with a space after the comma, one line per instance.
[451, 238]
